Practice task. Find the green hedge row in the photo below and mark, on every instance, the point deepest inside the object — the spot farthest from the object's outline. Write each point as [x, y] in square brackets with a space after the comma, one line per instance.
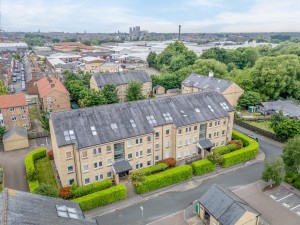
[243, 154]
[154, 169]
[225, 149]
[101, 198]
[203, 166]
[31, 172]
[165, 178]
[91, 188]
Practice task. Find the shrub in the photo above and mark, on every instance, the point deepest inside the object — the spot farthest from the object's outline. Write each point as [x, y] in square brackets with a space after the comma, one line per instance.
[171, 162]
[137, 177]
[101, 198]
[153, 169]
[203, 166]
[225, 149]
[65, 193]
[1, 175]
[46, 190]
[91, 188]
[32, 174]
[242, 155]
[244, 138]
[216, 158]
[50, 155]
[164, 179]
[237, 143]
[296, 184]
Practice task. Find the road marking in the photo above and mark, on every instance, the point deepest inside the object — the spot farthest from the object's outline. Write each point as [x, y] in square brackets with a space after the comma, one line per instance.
[286, 205]
[272, 196]
[295, 207]
[285, 197]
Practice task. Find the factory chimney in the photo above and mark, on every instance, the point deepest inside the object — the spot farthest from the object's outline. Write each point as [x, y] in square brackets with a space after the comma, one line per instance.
[179, 34]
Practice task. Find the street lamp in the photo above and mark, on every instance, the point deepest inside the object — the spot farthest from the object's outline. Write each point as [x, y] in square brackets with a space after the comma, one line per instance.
[142, 214]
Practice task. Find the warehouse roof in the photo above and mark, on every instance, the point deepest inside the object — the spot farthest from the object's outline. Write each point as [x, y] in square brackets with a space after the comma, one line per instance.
[103, 124]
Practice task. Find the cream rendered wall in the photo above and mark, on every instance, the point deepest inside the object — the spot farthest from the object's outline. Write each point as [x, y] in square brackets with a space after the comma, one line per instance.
[248, 218]
[233, 93]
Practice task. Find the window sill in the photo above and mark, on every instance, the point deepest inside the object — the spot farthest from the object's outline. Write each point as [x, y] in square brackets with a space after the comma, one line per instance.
[70, 172]
[86, 171]
[69, 158]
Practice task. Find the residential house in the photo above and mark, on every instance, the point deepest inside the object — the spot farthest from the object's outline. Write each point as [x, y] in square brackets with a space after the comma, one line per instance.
[195, 82]
[287, 107]
[33, 73]
[219, 206]
[92, 64]
[121, 80]
[14, 111]
[109, 67]
[15, 138]
[53, 96]
[90, 143]
[23, 208]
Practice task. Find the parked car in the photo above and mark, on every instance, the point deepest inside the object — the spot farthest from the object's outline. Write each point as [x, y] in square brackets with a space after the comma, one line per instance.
[23, 88]
[253, 137]
[18, 78]
[30, 101]
[14, 79]
[23, 78]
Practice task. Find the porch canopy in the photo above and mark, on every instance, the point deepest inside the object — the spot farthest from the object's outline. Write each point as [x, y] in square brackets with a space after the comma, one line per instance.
[204, 143]
[121, 166]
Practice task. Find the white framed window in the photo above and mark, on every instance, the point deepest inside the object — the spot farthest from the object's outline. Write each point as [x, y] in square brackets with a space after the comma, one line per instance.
[129, 156]
[186, 152]
[223, 132]
[97, 165]
[156, 146]
[188, 141]
[109, 161]
[14, 118]
[194, 150]
[167, 132]
[71, 181]
[68, 154]
[24, 117]
[98, 177]
[149, 163]
[49, 99]
[156, 157]
[138, 141]
[179, 131]
[86, 181]
[149, 151]
[195, 139]
[70, 169]
[195, 128]
[178, 154]
[12, 109]
[209, 136]
[156, 134]
[139, 154]
[97, 151]
[85, 168]
[22, 107]
[188, 129]
[179, 143]
[108, 174]
[167, 144]
[167, 155]
[84, 154]
[129, 144]
[108, 149]
[216, 134]
[148, 139]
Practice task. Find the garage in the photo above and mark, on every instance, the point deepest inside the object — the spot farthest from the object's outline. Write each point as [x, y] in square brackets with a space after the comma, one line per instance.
[15, 138]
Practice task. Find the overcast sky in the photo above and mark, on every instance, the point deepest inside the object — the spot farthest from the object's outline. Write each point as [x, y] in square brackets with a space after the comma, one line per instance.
[152, 15]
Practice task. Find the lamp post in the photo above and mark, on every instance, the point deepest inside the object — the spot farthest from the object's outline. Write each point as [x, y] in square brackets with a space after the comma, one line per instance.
[142, 214]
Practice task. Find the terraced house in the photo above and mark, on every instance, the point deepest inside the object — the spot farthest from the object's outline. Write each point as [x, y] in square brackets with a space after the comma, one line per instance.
[108, 141]
[121, 80]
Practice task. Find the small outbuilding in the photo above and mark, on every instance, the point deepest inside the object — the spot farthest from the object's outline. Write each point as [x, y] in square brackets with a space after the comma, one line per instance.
[174, 91]
[15, 138]
[159, 90]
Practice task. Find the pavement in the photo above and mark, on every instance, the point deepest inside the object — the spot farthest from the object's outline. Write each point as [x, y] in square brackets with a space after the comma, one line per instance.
[13, 164]
[168, 201]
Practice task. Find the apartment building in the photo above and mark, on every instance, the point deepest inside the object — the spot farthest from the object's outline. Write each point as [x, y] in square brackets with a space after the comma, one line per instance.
[14, 111]
[92, 64]
[195, 83]
[90, 143]
[53, 96]
[121, 80]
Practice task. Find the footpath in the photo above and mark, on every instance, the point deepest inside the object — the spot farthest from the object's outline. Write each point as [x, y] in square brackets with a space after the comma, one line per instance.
[195, 181]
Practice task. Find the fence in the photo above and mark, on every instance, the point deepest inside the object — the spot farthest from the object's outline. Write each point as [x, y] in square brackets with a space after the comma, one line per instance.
[33, 135]
[258, 130]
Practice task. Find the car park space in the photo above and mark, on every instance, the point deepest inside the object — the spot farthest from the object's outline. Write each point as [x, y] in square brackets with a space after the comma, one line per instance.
[18, 79]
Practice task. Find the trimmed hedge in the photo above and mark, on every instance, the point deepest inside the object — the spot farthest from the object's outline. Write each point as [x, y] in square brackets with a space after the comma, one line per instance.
[203, 166]
[101, 198]
[154, 169]
[31, 172]
[165, 178]
[225, 149]
[243, 154]
[91, 188]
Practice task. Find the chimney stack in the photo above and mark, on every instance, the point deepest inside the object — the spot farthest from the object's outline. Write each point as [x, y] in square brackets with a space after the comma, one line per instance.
[211, 74]
[52, 85]
[179, 34]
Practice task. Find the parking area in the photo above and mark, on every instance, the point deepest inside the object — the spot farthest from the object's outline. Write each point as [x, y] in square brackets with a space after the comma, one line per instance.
[286, 198]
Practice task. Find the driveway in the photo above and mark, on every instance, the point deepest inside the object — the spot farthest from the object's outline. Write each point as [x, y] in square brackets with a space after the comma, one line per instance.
[13, 164]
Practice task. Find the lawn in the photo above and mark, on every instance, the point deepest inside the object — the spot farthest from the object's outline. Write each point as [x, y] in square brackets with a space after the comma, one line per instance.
[33, 111]
[46, 175]
[265, 125]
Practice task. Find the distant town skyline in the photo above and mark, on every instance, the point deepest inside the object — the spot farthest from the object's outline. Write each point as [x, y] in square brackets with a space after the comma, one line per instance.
[195, 16]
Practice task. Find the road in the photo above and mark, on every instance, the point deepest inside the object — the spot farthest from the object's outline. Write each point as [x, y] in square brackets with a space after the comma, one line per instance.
[172, 202]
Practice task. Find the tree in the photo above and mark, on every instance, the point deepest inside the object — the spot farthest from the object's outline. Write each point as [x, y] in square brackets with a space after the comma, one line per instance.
[110, 93]
[2, 131]
[274, 171]
[249, 98]
[277, 118]
[287, 128]
[75, 87]
[151, 59]
[291, 154]
[90, 97]
[134, 91]
[45, 121]
[46, 190]
[3, 88]
[137, 177]
[219, 54]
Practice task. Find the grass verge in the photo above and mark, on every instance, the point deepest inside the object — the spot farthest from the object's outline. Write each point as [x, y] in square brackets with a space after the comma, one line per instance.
[264, 125]
[44, 168]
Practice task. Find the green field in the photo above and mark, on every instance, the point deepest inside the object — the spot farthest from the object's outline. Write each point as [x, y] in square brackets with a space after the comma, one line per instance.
[43, 166]
[264, 125]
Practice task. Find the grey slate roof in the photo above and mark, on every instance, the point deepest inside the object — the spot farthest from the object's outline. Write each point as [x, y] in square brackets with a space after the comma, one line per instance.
[182, 109]
[205, 143]
[24, 208]
[15, 130]
[206, 82]
[288, 107]
[121, 166]
[119, 78]
[225, 206]
[173, 90]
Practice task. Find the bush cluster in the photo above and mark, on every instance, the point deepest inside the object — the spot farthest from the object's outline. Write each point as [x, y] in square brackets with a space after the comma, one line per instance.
[293, 179]
[31, 172]
[91, 188]
[101, 198]
[225, 149]
[65, 193]
[153, 169]
[171, 162]
[164, 179]
[1, 175]
[203, 166]
[50, 155]
[243, 154]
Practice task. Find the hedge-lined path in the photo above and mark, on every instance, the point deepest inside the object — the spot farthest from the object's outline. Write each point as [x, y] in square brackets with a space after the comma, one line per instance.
[14, 168]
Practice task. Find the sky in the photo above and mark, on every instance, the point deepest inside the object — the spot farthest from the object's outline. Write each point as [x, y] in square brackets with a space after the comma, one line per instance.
[195, 16]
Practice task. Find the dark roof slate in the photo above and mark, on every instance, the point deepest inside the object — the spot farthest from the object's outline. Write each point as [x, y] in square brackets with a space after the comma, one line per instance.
[119, 78]
[122, 166]
[15, 130]
[288, 107]
[205, 143]
[182, 109]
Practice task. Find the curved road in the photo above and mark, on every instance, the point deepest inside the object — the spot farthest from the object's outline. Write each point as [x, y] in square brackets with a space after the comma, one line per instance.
[172, 202]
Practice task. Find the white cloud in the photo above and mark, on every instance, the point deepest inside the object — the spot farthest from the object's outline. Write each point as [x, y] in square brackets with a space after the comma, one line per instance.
[206, 3]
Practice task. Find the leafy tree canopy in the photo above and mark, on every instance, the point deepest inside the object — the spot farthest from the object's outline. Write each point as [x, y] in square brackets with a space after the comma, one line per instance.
[110, 93]
[274, 171]
[134, 91]
[291, 154]
[249, 98]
